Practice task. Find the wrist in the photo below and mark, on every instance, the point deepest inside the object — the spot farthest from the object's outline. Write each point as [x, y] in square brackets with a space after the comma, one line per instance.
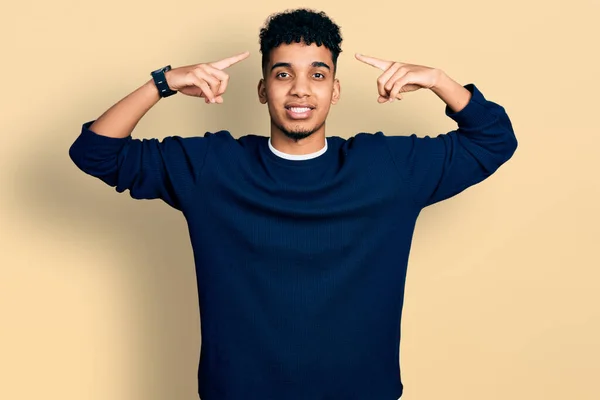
[151, 89]
[455, 95]
[168, 76]
[440, 77]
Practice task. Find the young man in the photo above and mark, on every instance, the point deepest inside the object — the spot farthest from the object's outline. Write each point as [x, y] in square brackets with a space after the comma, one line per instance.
[300, 240]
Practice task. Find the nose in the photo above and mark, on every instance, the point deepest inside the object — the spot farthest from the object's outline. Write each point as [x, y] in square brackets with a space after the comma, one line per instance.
[300, 87]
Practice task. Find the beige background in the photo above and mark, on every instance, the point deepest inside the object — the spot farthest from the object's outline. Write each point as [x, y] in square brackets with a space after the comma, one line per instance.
[97, 290]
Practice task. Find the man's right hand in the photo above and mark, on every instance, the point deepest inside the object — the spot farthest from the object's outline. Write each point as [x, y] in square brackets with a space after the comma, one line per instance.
[206, 80]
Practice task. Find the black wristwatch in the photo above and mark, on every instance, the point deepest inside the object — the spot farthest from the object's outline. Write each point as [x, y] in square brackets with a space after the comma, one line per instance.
[161, 82]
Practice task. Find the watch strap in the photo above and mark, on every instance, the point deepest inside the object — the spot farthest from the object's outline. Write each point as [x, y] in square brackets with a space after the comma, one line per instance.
[161, 82]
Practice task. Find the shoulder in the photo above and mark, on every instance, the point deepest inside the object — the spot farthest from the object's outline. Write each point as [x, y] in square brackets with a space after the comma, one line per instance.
[218, 139]
[386, 146]
[222, 144]
[226, 136]
[363, 141]
[225, 139]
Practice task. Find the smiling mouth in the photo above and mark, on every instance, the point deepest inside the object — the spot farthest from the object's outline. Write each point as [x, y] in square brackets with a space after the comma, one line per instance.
[299, 112]
[299, 108]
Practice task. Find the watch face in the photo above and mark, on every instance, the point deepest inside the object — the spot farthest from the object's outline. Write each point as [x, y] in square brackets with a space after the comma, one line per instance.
[163, 69]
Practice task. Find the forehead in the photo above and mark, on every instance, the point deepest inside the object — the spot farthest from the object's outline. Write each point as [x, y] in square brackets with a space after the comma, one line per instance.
[300, 54]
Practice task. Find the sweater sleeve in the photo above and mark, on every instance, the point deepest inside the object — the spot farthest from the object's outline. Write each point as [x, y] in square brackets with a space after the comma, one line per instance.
[148, 168]
[437, 168]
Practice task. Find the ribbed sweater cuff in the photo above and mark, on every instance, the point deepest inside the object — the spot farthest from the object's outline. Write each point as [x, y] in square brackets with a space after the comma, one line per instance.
[475, 114]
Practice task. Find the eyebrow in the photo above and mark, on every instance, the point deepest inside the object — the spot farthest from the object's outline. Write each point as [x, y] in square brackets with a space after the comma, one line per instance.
[315, 64]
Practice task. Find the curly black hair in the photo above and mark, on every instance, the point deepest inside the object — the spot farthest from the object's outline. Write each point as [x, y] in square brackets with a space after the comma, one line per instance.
[300, 25]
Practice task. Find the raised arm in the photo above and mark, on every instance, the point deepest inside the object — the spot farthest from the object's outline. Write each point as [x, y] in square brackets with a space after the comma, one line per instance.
[150, 168]
[435, 168]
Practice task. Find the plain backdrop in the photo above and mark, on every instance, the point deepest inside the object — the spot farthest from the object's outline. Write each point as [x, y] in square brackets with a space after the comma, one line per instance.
[97, 290]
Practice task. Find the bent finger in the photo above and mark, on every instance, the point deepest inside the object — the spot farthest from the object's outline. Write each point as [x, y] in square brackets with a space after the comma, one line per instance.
[399, 74]
[223, 78]
[398, 88]
[384, 79]
[206, 91]
[213, 82]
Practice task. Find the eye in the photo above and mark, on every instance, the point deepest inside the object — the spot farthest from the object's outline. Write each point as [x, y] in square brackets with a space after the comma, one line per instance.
[278, 75]
[322, 76]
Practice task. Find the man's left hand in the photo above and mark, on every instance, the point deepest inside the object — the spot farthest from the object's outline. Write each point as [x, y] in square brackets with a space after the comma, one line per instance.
[400, 77]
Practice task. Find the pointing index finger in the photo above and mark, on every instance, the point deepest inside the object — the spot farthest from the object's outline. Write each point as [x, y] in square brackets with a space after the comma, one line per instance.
[227, 62]
[375, 62]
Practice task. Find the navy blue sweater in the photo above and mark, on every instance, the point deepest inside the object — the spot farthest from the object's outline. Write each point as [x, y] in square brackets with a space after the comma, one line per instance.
[301, 264]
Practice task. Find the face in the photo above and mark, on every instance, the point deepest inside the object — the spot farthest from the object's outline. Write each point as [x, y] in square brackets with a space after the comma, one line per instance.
[299, 88]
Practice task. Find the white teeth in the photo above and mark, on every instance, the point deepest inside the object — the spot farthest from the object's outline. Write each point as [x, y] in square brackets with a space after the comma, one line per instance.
[299, 109]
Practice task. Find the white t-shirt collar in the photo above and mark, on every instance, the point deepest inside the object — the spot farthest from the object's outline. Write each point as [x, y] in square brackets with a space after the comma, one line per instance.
[297, 156]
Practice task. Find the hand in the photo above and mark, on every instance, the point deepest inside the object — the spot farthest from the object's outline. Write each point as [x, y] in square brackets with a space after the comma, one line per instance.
[400, 78]
[206, 80]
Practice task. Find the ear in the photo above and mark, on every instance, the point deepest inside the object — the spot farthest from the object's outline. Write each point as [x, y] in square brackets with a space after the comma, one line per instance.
[262, 91]
[336, 91]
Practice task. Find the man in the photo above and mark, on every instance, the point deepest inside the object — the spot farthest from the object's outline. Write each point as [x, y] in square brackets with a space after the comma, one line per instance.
[300, 240]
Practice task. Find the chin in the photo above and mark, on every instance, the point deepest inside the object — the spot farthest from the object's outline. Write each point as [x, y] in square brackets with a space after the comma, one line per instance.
[297, 134]
[296, 131]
